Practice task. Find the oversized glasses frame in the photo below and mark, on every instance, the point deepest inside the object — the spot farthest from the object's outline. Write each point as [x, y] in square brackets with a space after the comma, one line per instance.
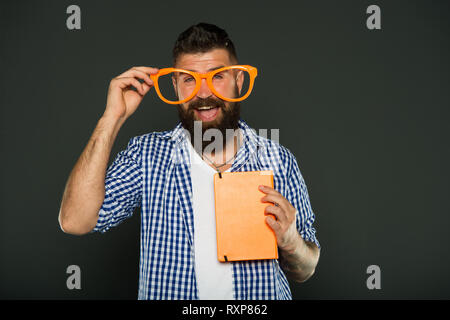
[252, 72]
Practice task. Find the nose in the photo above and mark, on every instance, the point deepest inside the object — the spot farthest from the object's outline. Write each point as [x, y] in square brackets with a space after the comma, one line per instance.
[204, 91]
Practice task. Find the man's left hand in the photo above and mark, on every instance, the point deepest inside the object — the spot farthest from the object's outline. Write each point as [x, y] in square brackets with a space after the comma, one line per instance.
[283, 225]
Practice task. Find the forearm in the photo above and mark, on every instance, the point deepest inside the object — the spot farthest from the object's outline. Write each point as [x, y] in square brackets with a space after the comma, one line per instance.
[300, 261]
[85, 188]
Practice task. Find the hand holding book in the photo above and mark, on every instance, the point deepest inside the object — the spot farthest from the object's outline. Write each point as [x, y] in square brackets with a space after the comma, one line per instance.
[283, 225]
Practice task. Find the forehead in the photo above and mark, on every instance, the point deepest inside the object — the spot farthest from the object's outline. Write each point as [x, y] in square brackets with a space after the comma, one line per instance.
[204, 61]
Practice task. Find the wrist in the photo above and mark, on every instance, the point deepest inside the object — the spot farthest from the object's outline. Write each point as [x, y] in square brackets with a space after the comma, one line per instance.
[112, 119]
[295, 247]
[106, 130]
[110, 123]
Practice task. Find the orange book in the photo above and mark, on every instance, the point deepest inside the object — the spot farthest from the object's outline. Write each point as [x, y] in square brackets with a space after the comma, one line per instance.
[242, 233]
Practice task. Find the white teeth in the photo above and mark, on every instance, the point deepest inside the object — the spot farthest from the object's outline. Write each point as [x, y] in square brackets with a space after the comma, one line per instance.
[205, 108]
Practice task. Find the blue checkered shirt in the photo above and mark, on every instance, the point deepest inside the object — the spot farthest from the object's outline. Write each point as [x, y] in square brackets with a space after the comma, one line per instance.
[153, 172]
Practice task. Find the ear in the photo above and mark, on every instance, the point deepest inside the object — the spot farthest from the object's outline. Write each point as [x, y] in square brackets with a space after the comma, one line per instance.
[240, 80]
[174, 83]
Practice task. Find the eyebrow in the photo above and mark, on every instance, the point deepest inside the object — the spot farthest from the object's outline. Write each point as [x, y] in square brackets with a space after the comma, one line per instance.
[212, 69]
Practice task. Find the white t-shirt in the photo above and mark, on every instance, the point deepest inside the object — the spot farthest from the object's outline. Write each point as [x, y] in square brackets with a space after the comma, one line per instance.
[214, 278]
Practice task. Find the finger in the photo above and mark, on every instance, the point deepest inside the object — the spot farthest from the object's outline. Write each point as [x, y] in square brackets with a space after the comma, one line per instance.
[149, 70]
[275, 199]
[146, 70]
[134, 73]
[274, 225]
[125, 83]
[146, 87]
[146, 74]
[279, 213]
[268, 190]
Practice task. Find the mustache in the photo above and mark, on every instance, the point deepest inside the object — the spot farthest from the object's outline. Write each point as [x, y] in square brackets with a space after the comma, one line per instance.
[204, 102]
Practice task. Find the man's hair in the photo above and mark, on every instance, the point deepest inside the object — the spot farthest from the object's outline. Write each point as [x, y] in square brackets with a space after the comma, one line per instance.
[201, 38]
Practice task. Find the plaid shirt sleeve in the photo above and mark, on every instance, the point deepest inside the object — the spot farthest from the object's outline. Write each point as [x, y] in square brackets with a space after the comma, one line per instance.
[299, 198]
[123, 187]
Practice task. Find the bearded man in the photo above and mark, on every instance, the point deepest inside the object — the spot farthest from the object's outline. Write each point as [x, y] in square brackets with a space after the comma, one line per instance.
[170, 177]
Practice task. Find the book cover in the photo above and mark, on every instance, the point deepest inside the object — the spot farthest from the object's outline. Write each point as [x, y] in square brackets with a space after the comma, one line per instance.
[242, 233]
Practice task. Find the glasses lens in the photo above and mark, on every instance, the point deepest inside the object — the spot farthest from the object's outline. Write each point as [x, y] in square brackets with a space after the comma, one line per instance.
[184, 82]
[228, 82]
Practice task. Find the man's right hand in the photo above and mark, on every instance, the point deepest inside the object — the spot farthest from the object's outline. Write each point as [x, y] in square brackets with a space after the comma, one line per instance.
[122, 100]
[85, 188]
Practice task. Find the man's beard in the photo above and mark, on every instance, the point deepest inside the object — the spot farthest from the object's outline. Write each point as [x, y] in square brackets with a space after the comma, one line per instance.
[229, 118]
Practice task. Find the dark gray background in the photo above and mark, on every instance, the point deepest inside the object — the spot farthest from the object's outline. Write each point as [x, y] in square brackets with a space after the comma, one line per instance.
[365, 113]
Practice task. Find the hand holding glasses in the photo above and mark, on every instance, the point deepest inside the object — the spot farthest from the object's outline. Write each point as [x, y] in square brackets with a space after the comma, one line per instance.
[232, 83]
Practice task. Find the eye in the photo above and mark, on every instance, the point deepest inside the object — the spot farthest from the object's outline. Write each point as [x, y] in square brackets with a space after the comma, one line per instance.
[218, 76]
[188, 79]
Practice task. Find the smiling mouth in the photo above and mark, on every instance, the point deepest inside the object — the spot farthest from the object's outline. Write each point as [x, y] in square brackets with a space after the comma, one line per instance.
[207, 113]
[205, 108]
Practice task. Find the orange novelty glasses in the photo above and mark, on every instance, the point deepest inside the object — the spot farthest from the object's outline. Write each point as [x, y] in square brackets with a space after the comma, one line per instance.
[231, 83]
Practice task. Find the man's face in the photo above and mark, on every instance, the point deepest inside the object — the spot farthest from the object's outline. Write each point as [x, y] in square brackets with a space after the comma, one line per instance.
[205, 106]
